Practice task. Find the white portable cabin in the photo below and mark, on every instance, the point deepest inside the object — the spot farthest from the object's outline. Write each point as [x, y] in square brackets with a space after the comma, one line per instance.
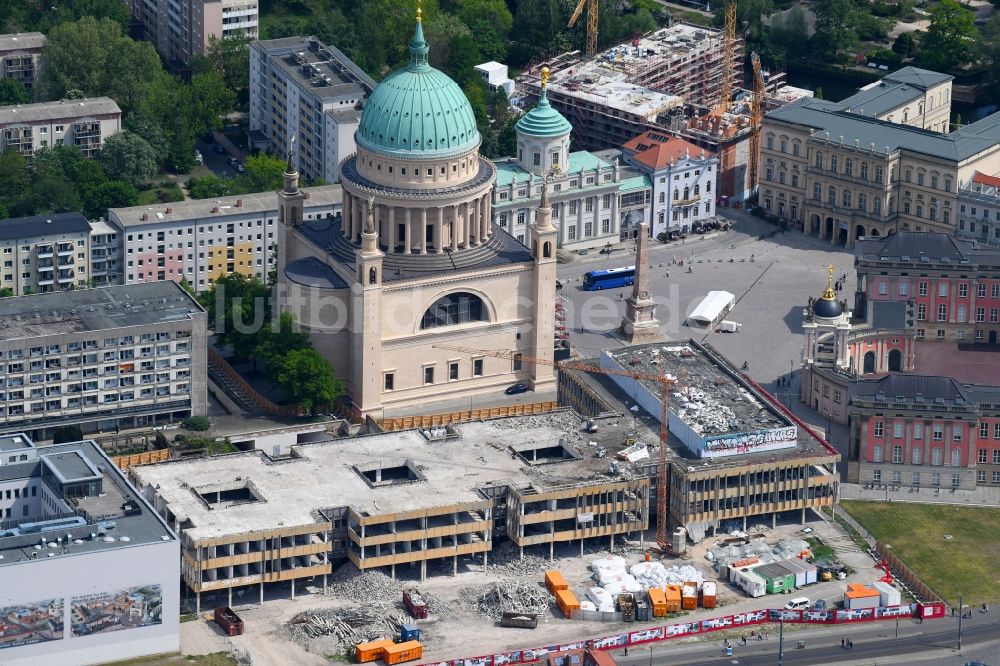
[888, 595]
[712, 308]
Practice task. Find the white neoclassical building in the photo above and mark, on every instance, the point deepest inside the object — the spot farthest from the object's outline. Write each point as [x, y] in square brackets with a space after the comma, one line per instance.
[409, 288]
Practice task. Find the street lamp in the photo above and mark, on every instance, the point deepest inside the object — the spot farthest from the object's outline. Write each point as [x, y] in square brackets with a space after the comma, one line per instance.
[781, 640]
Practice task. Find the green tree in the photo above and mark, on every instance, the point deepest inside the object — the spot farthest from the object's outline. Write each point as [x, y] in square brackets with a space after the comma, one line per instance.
[130, 68]
[186, 286]
[76, 56]
[535, 24]
[238, 311]
[905, 45]
[490, 21]
[307, 379]
[949, 41]
[282, 337]
[836, 22]
[67, 433]
[97, 199]
[207, 187]
[128, 157]
[13, 174]
[6, 292]
[49, 195]
[264, 173]
[13, 92]
[228, 57]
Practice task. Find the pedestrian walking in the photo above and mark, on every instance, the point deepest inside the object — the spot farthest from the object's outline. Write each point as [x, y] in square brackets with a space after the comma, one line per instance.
[626, 651]
[843, 642]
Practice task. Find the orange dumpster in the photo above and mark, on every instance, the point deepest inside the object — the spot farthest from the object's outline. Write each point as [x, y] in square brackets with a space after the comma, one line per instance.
[673, 594]
[400, 652]
[372, 651]
[567, 602]
[555, 582]
[658, 601]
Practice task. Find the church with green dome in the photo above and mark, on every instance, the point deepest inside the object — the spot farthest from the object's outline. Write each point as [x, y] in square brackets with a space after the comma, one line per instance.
[408, 291]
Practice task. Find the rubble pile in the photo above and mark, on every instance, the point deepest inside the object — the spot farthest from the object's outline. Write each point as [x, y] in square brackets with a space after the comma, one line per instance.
[756, 551]
[344, 627]
[505, 560]
[372, 588]
[505, 596]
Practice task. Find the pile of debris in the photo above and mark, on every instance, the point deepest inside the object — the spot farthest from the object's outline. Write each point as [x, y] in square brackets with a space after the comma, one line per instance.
[508, 596]
[344, 627]
[373, 588]
[505, 560]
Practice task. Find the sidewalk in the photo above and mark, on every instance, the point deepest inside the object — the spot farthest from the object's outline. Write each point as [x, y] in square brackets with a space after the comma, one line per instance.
[984, 496]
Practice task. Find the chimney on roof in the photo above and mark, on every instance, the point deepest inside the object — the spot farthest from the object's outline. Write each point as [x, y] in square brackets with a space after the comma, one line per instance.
[169, 210]
[239, 203]
[215, 209]
[145, 217]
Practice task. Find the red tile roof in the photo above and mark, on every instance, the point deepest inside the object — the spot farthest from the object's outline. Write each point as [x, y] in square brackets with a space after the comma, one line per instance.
[657, 150]
[983, 179]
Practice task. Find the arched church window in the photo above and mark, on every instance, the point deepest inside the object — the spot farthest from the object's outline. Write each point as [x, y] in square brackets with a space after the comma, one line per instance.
[457, 308]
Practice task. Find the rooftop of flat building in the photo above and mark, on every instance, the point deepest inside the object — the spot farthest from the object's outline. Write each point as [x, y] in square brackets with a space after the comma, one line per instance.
[15, 442]
[116, 518]
[98, 309]
[711, 396]
[65, 109]
[18, 41]
[37, 226]
[388, 473]
[220, 207]
[599, 82]
[324, 71]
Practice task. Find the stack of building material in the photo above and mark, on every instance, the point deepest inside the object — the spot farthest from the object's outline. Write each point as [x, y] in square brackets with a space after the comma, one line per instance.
[602, 599]
[859, 596]
[888, 595]
[509, 595]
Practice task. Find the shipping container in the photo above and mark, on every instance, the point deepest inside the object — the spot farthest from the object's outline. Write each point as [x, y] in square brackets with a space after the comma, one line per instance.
[888, 595]
[626, 606]
[519, 620]
[555, 582]
[228, 621]
[673, 594]
[805, 573]
[689, 596]
[567, 602]
[400, 652]
[409, 632]
[749, 582]
[858, 596]
[415, 604]
[776, 577]
[709, 592]
[372, 651]
[658, 600]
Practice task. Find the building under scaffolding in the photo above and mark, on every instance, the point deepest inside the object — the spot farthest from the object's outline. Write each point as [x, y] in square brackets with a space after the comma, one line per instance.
[668, 81]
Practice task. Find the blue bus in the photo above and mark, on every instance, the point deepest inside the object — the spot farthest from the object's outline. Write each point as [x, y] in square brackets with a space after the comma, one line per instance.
[610, 278]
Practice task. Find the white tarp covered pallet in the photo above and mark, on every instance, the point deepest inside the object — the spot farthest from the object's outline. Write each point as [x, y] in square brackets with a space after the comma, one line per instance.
[712, 308]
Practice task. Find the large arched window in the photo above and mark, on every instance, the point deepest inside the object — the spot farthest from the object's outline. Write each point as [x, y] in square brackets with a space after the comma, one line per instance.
[457, 308]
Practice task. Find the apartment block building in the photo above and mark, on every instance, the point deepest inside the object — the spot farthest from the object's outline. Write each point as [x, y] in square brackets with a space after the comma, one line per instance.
[952, 286]
[180, 29]
[875, 163]
[84, 123]
[203, 239]
[912, 430]
[103, 358]
[20, 56]
[684, 179]
[304, 90]
[45, 253]
[105, 255]
[979, 209]
[89, 569]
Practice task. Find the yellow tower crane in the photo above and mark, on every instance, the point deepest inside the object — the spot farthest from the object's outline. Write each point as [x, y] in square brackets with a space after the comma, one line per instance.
[592, 14]
[757, 101]
[728, 57]
[665, 383]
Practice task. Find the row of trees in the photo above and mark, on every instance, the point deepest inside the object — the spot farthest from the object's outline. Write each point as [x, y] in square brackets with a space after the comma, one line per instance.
[240, 313]
[264, 173]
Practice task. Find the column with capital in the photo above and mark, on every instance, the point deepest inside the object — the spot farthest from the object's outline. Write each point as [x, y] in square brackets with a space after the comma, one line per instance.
[387, 229]
[454, 228]
[468, 217]
[423, 231]
[439, 231]
[486, 217]
[345, 215]
[407, 230]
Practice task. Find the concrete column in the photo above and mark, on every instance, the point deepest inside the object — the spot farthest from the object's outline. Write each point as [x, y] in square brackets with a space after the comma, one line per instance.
[230, 590]
[774, 520]
[423, 570]
[262, 593]
[803, 515]
[358, 211]
[390, 237]
[552, 549]
[454, 228]
[345, 215]
[293, 588]
[407, 240]
[486, 561]
[439, 231]
[485, 218]
[454, 565]
[423, 231]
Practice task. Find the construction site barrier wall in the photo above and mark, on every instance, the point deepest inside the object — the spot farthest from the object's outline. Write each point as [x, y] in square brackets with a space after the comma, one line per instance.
[221, 365]
[921, 590]
[649, 635]
[410, 422]
[144, 458]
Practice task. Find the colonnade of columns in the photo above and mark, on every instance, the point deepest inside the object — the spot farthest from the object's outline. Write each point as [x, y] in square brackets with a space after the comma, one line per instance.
[420, 229]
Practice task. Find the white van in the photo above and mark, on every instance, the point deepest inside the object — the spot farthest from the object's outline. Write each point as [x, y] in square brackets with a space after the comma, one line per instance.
[798, 603]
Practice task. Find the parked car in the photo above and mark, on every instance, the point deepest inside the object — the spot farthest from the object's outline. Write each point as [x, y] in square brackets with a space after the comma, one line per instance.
[239, 168]
[516, 388]
[198, 158]
[232, 161]
[559, 284]
[219, 148]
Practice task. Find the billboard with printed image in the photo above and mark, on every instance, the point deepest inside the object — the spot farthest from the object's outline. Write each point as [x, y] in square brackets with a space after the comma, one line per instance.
[130, 608]
[31, 622]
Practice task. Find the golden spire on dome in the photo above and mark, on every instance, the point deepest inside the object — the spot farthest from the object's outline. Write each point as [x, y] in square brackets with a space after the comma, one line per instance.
[420, 12]
[545, 77]
[829, 294]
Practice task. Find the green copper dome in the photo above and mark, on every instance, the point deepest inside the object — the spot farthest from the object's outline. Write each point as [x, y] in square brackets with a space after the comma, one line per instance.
[543, 120]
[418, 111]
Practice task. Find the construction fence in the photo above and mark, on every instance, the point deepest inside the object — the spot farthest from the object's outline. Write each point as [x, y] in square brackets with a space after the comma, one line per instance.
[410, 422]
[650, 635]
[218, 363]
[914, 585]
[144, 458]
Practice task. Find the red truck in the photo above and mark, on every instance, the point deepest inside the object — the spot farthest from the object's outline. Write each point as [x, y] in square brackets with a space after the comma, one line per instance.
[415, 604]
[229, 621]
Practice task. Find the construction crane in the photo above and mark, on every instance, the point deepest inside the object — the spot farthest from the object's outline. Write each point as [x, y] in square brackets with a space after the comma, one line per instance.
[592, 15]
[756, 117]
[666, 384]
[728, 57]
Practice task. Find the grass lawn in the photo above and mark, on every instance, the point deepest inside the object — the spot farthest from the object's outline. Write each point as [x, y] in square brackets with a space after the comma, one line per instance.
[214, 659]
[965, 563]
[161, 193]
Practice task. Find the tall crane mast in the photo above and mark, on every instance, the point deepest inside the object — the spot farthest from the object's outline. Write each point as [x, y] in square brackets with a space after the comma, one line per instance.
[665, 383]
[592, 16]
[756, 118]
[728, 56]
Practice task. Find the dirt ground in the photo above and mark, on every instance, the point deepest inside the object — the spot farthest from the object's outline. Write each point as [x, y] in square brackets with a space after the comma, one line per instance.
[455, 630]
